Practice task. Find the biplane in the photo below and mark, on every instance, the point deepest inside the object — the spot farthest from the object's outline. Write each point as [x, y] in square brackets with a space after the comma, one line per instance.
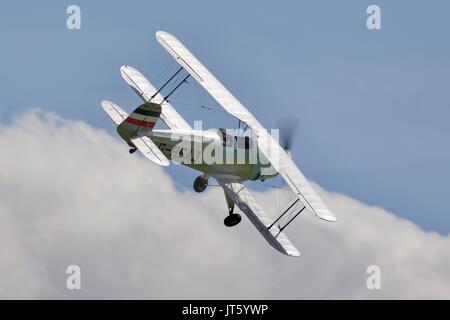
[183, 144]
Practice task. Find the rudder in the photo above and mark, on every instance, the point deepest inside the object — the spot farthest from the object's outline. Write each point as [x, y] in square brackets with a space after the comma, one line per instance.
[140, 121]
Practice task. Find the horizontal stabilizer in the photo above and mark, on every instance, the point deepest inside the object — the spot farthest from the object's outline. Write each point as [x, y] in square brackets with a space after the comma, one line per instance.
[150, 150]
[115, 112]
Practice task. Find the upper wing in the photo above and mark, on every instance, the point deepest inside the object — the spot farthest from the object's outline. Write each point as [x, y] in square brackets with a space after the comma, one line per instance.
[199, 72]
[266, 143]
[260, 219]
[145, 90]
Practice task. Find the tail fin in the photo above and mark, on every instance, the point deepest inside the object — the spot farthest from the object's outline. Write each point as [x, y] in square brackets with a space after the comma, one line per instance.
[140, 121]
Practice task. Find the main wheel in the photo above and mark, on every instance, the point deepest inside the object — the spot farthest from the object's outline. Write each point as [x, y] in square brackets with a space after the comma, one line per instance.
[232, 220]
[200, 184]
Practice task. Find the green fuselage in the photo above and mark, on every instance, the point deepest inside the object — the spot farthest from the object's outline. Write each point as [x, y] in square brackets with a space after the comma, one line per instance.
[198, 154]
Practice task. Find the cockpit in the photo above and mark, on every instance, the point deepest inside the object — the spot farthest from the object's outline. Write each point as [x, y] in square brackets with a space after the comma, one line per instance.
[227, 139]
[238, 142]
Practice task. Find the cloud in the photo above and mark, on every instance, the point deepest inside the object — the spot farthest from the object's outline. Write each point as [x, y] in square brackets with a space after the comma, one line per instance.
[71, 194]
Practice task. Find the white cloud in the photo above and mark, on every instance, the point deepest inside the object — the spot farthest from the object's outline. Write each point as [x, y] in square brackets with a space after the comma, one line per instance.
[71, 194]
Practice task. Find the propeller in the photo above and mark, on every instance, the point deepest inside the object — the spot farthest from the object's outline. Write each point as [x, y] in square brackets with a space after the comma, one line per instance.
[288, 127]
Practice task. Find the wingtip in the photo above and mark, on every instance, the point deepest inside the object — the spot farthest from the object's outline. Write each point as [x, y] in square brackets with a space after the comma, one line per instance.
[125, 68]
[325, 214]
[294, 254]
[328, 218]
[290, 251]
[161, 33]
[165, 163]
[104, 103]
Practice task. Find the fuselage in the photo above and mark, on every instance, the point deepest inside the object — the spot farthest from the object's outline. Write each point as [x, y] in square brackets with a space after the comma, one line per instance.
[213, 152]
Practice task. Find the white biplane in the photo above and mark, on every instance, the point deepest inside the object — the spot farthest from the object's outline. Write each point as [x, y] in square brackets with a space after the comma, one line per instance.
[160, 146]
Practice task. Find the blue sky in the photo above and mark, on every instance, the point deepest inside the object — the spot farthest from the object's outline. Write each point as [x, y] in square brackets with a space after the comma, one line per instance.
[373, 106]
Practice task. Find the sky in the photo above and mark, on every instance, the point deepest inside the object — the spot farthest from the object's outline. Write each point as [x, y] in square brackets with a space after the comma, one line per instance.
[372, 105]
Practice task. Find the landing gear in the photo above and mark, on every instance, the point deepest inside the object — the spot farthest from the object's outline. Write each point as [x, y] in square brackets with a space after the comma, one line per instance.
[132, 150]
[232, 220]
[200, 184]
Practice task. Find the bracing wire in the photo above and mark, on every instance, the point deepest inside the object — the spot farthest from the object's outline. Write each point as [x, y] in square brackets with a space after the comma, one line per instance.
[200, 106]
[165, 71]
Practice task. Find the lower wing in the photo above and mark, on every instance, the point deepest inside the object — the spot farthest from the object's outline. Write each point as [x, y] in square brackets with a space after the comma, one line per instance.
[260, 219]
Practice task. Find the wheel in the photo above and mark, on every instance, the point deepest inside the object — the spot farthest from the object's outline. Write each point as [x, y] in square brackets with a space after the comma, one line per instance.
[132, 150]
[232, 220]
[200, 184]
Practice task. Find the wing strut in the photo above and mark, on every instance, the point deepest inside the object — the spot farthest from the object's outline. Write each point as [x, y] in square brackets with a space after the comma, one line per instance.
[165, 84]
[300, 211]
[174, 89]
[285, 211]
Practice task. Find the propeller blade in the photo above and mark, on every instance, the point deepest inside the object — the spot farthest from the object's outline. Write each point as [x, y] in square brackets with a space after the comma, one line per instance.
[288, 127]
